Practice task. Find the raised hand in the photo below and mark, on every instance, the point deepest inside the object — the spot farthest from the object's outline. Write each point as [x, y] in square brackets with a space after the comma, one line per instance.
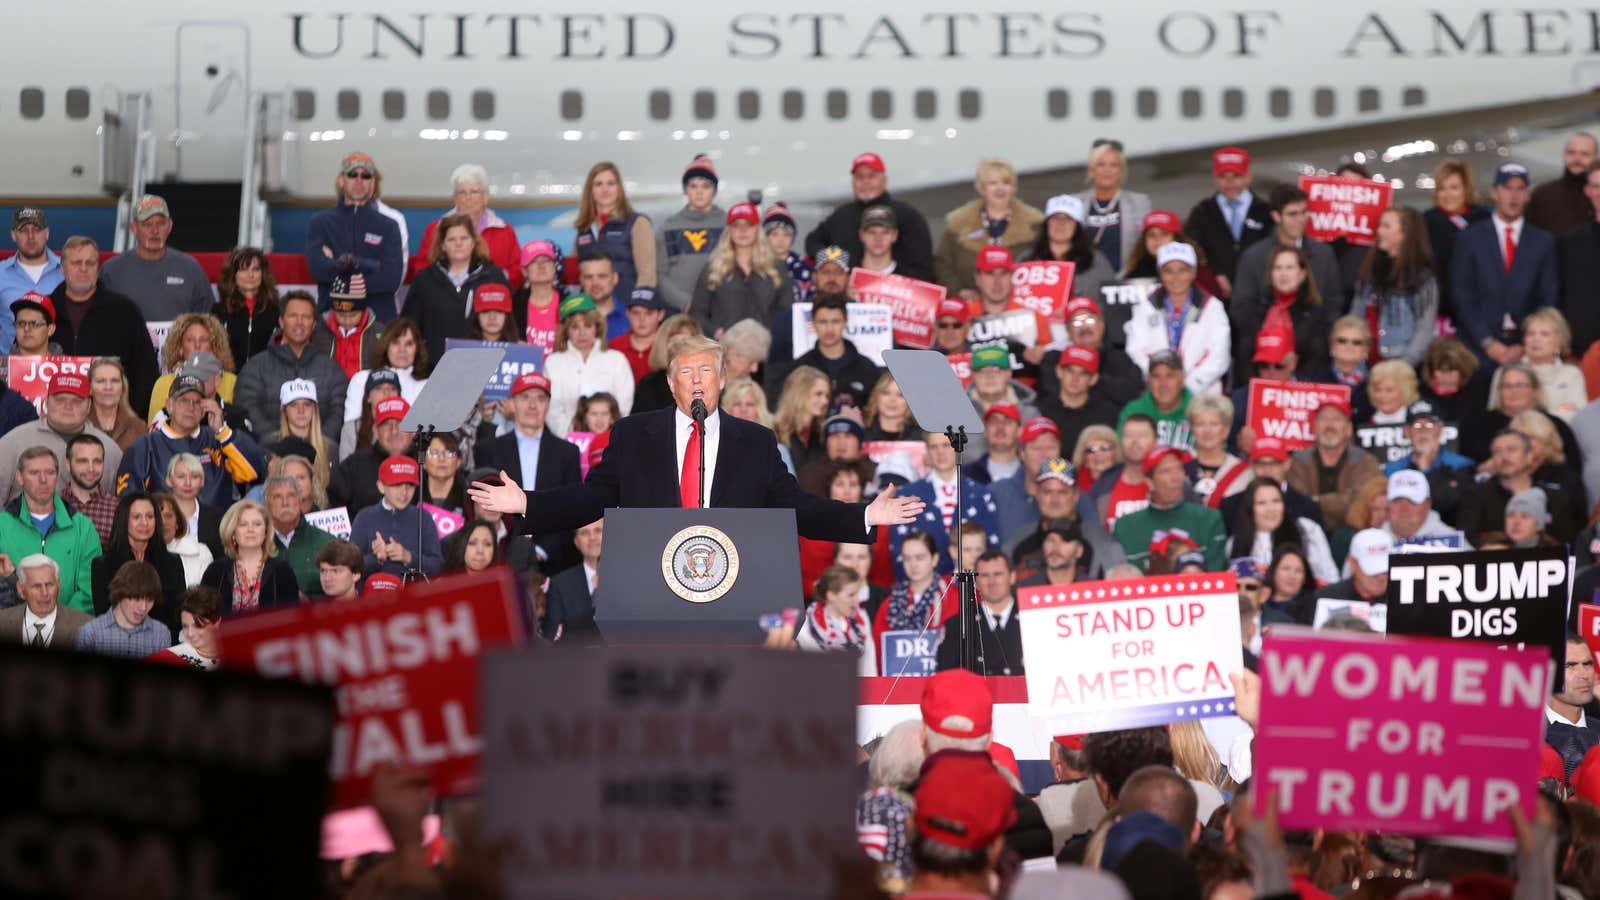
[505, 498]
[887, 509]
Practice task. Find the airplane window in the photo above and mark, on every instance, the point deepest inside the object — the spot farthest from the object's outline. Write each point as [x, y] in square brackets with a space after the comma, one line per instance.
[1191, 103]
[394, 104]
[1323, 102]
[571, 105]
[438, 104]
[660, 104]
[1414, 96]
[1056, 103]
[32, 103]
[838, 104]
[925, 103]
[794, 104]
[705, 105]
[1233, 103]
[749, 104]
[881, 103]
[1144, 102]
[969, 103]
[483, 104]
[305, 104]
[1368, 100]
[77, 103]
[1278, 103]
[1100, 103]
[348, 104]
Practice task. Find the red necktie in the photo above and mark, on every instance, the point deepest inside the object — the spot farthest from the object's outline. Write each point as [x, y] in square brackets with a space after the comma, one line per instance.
[689, 481]
[1511, 249]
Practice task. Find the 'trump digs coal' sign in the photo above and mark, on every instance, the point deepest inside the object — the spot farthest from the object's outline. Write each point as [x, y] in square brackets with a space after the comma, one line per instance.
[405, 664]
[122, 778]
[1508, 597]
[662, 771]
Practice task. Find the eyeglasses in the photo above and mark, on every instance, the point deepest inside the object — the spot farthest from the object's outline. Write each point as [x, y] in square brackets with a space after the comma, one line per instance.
[1099, 448]
[1251, 586]
[30, 324]
[1424, 424]
[360, 175]
[952, 326]
[444, 454]
[1359, 342]
[469, 192]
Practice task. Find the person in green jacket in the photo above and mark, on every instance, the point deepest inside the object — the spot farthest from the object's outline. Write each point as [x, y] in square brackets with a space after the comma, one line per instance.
[1169, 513]
[298, 540]
[1166, 401]
[39, 522]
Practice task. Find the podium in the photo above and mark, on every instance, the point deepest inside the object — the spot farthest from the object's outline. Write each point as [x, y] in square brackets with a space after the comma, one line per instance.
[695, 575]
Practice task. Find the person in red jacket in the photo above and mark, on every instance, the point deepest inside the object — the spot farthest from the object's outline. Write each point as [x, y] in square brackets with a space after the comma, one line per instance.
[469, 184]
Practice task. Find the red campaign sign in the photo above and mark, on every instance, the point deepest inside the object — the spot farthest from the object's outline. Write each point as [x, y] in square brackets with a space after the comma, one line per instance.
[914, 304]
[30, 376]
[1284, 409]
[1342, 208]
[962, 363]
[404, 665]
[1043, 286]
[1589, 626]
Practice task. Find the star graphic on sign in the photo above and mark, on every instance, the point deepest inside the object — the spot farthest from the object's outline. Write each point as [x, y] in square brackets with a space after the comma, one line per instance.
[902, 529]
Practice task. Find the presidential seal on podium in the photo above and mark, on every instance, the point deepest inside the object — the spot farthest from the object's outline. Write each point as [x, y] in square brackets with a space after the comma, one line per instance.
[700, 563]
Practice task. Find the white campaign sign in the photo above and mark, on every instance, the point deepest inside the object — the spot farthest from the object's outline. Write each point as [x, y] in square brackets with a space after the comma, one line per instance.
[668, 771]
[870, 326]
[1107, 655]
[335, 521]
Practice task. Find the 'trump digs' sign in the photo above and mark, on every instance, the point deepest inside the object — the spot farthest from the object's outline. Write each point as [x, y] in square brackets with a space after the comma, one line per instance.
[914, 304]
[1104, 655]
[405, 665]
[1509, 597]
[122, 778]
[1342, 208]
[662, 771]
[1286, 409]
[1409, 736]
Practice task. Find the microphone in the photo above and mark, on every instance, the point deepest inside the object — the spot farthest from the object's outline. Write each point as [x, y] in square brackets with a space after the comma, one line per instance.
[698, 411]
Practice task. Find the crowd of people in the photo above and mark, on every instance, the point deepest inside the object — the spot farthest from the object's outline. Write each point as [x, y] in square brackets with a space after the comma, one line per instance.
[166, 488]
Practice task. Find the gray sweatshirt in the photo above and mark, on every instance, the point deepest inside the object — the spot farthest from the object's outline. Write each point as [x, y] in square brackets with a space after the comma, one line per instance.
[683, 247]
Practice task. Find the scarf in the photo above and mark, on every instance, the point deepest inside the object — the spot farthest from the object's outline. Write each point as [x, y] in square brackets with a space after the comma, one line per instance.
[905, 615]
[836, 634]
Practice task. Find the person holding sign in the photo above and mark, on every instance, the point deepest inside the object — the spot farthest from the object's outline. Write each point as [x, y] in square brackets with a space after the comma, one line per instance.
[1185, 319]
[995, 265]
[1169, 512]
[1066, 239]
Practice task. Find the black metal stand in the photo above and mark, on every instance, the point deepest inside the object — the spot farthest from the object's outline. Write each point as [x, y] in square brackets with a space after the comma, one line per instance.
[419, 450]
[698, 412]
[972, 658]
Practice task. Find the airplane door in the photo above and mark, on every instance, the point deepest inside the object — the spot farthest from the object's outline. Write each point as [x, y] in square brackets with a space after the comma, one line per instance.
[211, 100]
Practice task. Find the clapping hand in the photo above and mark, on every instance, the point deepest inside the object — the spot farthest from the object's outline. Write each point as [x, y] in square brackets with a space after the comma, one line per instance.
[380, 548]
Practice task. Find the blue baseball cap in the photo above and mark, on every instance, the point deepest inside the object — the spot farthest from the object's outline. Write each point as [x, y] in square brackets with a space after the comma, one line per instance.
[1510, 170]
[1245, 567]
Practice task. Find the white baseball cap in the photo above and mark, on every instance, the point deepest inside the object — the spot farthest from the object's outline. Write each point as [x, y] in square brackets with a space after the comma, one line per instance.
[1409, 484]
[1176, 251]
[1065, 204]
[1370, 549]
[298, 389]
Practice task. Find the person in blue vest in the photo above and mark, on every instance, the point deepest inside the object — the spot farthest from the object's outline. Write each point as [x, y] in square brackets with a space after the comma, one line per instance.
[1504, 268]
[607, 222]
[353, 250]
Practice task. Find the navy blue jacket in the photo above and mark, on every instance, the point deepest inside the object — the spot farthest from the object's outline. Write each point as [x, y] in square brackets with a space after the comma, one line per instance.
[1484, 292]
[372, 237]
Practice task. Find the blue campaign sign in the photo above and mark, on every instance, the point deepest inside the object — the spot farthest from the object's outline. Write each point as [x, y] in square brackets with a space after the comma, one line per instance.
[909, 652]
[519, 359]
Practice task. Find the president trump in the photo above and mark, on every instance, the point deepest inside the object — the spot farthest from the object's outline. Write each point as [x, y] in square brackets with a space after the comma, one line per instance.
[653, 460]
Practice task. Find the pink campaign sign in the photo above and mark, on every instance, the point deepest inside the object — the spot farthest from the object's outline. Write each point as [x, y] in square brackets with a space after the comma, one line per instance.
[1415, 736]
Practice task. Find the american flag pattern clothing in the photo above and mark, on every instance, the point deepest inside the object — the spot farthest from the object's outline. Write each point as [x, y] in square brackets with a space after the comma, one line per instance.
[800, 274]
[881, 815]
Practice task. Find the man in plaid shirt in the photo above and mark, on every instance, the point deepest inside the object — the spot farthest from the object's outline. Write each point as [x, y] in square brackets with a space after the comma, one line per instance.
[86, 462]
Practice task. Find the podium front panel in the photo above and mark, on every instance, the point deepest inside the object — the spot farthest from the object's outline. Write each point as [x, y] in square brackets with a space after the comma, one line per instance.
[696, 575]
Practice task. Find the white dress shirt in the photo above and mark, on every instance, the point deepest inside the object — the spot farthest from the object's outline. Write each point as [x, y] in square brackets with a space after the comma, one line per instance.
[29, 621]
[997, 621]
[712, 440]
[528, 456]
[1500, 226]
[1555, 718]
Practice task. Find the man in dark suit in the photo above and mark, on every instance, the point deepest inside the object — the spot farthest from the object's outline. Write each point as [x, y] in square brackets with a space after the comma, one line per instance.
[997, 623]
[569, 602]
[653, 461]
[1230, 220]
[40, 621]
[1504, 268]
[1580, 269]
[536, 460]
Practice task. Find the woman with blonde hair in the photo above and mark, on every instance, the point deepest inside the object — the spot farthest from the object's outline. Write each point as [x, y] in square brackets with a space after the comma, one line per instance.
[441, 295]
[1546, 341]
[583, 364]
[1096, 451]
[744, 399]
[887, 415]
[1214, 472]
[802, 408]
[652, 391]
[193, 333]
[1455, 206]
[996, 216]
[743, 278]
[1114, 216]
[181, 542]
[606, 221]
[1551, 465]
[1392, 387]
[252, 577]
[300, 418]
[109, 409]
